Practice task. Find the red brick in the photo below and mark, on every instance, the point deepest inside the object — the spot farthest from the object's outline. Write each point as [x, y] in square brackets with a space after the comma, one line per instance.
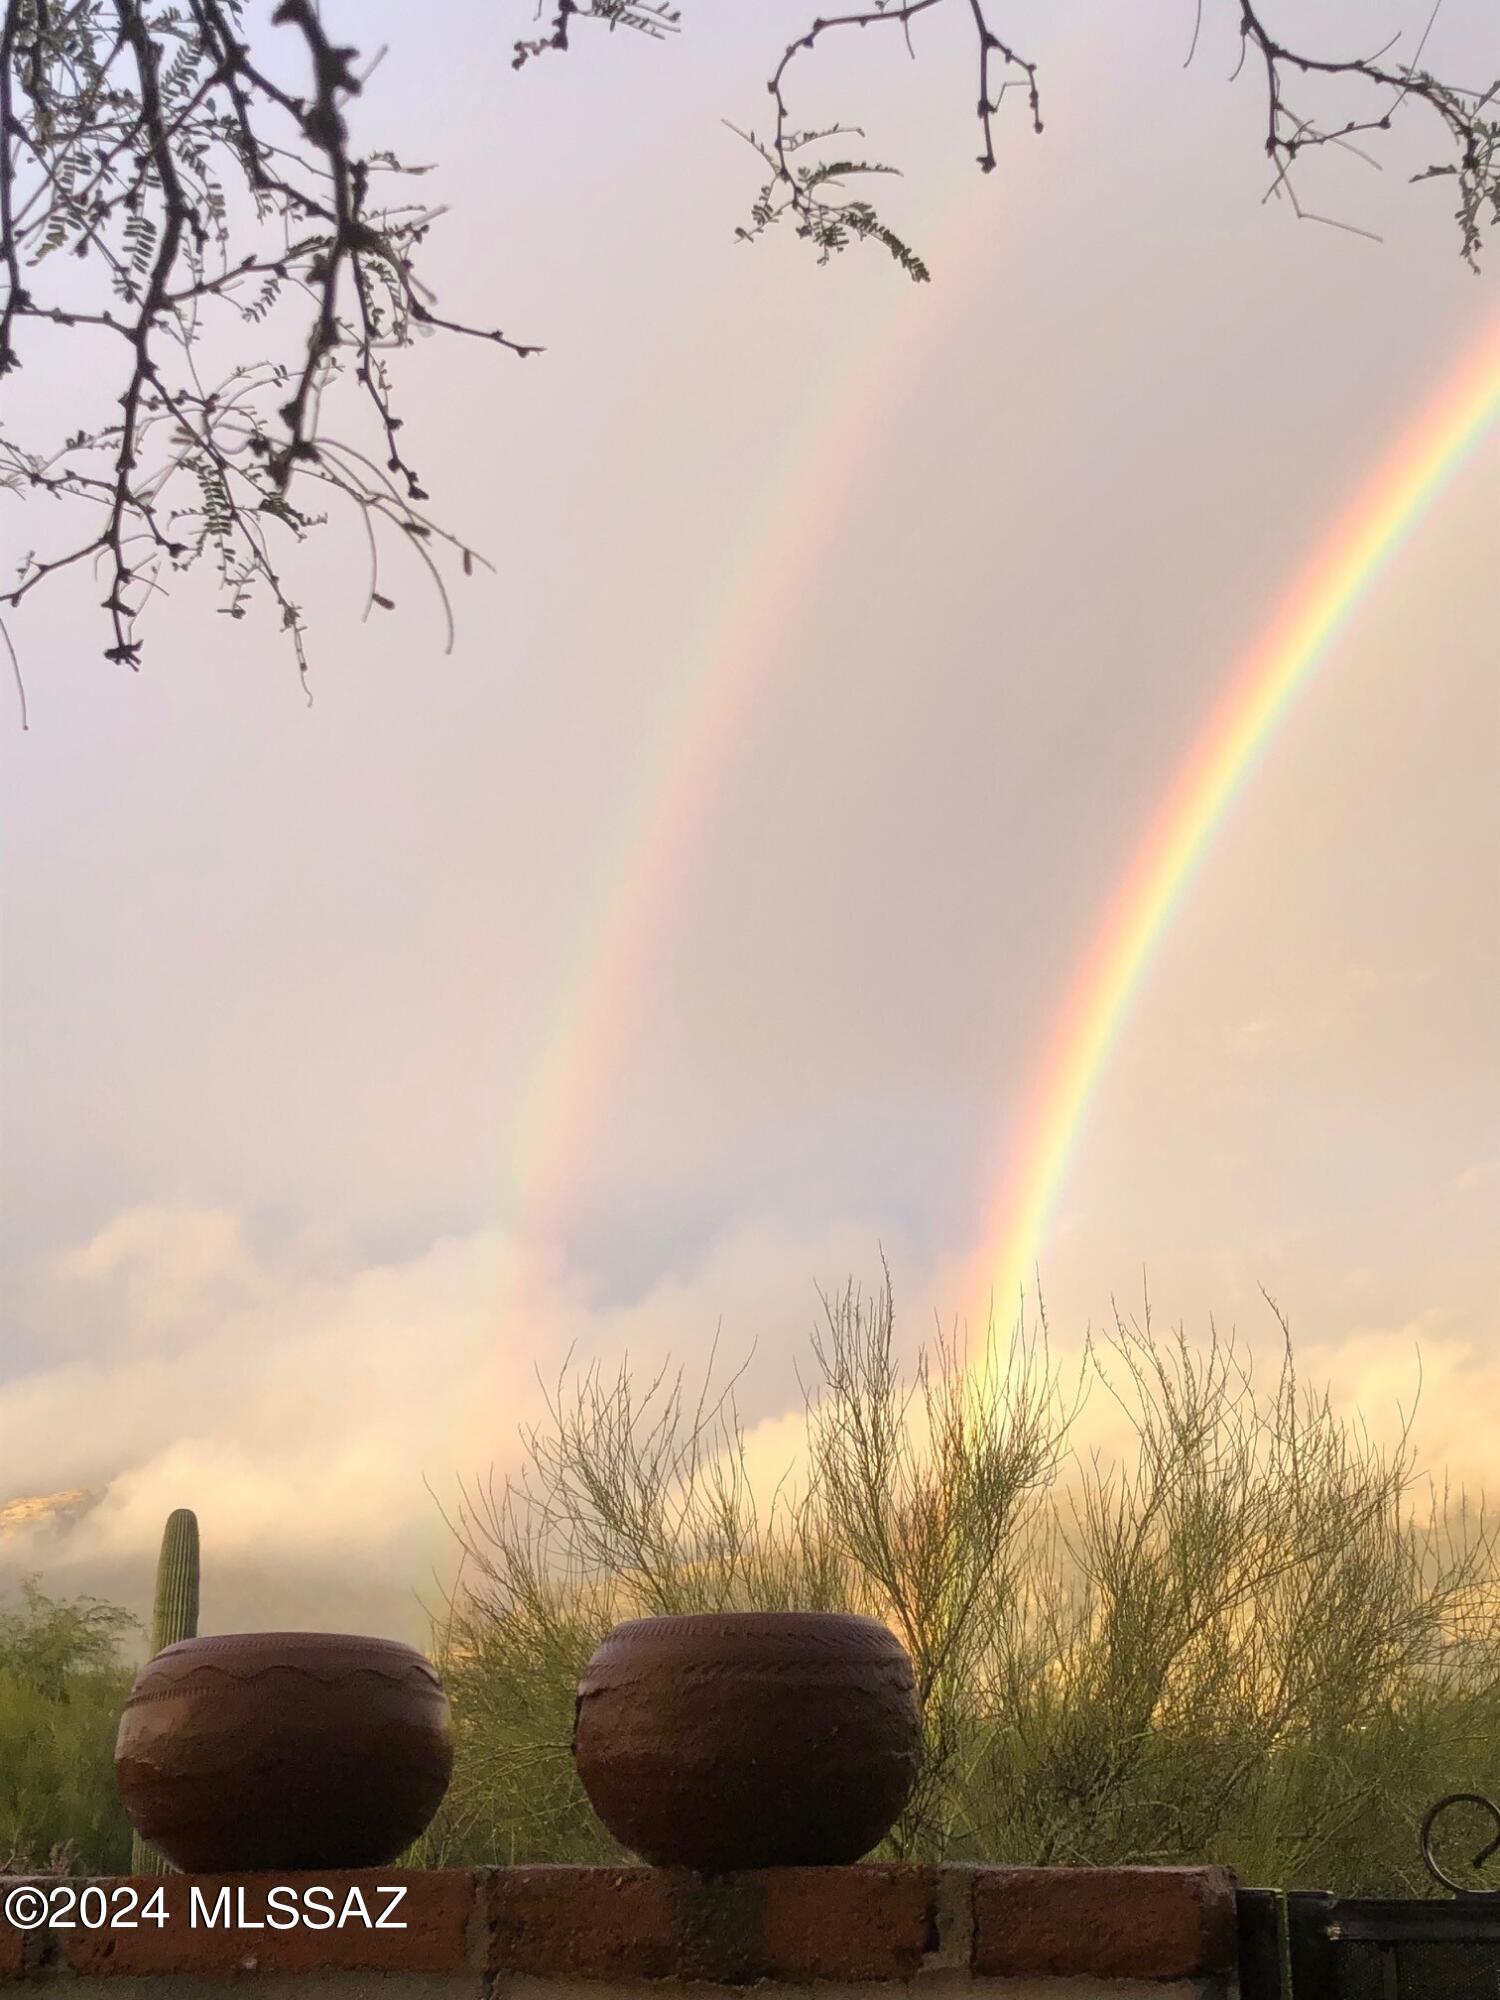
[562, 1922]
[876, 1921]
[435, 1911]
[871, 1922]
[1104, 1923]
[21, 1951]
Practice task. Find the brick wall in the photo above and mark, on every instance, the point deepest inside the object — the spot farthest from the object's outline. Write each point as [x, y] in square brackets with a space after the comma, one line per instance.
[617, 1933]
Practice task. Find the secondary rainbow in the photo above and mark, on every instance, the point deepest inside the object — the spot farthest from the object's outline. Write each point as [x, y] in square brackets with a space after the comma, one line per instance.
[1320, 603]
[727, 670]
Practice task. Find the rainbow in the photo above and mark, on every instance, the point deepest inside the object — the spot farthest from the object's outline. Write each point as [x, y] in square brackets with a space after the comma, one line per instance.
[1109, 975]
[727, 668]
[726, 671]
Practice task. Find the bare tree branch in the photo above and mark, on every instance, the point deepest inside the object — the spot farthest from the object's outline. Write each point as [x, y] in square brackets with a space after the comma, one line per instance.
[155, 147]
[197, 192]
[798, 182]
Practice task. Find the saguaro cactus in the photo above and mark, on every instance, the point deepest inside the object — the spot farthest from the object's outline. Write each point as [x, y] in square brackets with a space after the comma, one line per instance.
[174, 1616]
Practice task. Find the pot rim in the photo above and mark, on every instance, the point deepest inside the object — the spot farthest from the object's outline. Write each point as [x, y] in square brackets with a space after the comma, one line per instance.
[317, 1640]
[783, 1621]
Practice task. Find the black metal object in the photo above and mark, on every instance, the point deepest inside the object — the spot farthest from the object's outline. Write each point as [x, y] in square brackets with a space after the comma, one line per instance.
[1308, 1944]
[1454, 1799]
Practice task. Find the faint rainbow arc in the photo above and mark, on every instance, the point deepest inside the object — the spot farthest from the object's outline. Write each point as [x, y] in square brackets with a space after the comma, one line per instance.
[1352, 556]
[690, 747]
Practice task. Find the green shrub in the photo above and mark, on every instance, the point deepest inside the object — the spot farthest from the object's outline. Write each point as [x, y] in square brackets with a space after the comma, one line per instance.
[62, 1686]
[1239, 1653]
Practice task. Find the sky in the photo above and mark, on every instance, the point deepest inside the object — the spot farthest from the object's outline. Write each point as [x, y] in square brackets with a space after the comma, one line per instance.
[695, 930]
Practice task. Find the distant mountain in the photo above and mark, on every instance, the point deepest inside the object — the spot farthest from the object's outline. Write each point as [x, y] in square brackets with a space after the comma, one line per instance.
[47, 1510]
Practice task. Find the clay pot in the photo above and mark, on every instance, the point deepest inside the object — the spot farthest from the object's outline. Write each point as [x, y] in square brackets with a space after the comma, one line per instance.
[748, 1739]
[283, 1750]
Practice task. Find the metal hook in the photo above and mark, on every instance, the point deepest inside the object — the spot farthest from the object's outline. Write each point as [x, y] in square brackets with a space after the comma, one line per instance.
[1453, 1799]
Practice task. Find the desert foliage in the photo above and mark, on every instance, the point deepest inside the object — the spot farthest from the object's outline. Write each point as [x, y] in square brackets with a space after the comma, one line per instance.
[62, 1684]
[1244, 1647]
[1244, 1642]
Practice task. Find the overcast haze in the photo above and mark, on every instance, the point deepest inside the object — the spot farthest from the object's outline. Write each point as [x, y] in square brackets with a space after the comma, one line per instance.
[975, 559]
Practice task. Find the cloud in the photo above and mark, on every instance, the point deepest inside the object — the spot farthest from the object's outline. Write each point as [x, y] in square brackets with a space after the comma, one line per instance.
[296, 1409]
[304, 1407]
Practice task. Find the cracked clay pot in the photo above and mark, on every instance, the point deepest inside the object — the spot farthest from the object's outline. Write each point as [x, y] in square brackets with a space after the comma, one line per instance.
[283, 1750]
[748, 1739]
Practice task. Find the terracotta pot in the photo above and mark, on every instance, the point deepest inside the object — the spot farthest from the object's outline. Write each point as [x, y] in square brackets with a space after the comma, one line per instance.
[748, 1739]
[282, 1750]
